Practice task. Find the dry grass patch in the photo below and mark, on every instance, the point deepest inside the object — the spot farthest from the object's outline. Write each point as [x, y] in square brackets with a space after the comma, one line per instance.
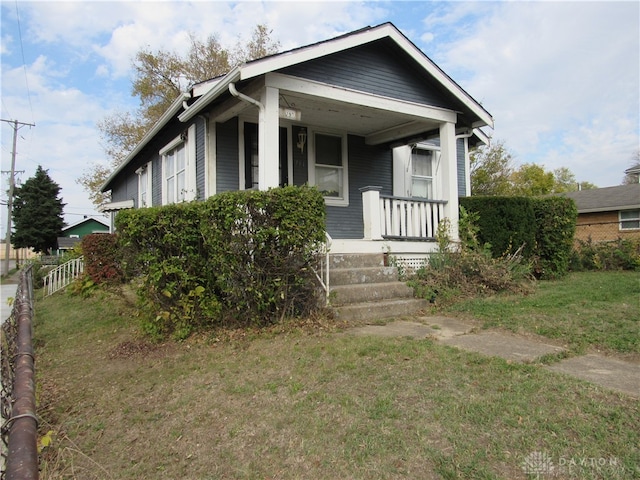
[304, 403]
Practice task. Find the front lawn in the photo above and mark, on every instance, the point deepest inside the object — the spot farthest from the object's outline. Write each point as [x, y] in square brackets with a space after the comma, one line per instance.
[300, 402]
[586, 311]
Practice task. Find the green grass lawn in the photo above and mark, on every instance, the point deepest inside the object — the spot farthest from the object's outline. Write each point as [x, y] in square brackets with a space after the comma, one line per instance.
[315, 403]
[587, 310]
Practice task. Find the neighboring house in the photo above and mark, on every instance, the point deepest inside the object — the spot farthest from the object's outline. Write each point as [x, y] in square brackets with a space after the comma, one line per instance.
[606, 214]
[73, 233]
[366, 117]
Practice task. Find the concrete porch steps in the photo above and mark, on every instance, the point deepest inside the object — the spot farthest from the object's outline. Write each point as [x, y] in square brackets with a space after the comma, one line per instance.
[364, 289]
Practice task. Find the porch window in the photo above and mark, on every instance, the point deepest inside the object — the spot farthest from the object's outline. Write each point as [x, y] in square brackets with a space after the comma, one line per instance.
[330, 167]
[422, 173]
[630, 219]
[144, 186]
[174, 172]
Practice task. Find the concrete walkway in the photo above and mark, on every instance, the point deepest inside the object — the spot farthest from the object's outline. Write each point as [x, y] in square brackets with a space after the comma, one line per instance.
[8, 287]
[607, 372]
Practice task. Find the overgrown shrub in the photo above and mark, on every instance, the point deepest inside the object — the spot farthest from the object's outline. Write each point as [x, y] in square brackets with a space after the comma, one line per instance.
[542, 227]
[39, 273]
[468, 269]
[102, 258]
[620, 254]
[555, 221]
[242, 256]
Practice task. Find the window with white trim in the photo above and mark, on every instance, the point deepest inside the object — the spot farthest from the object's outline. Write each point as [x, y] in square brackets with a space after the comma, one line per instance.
[144, 186]
[422, 173]
[331, 167]
[630, 219]
[178, 170]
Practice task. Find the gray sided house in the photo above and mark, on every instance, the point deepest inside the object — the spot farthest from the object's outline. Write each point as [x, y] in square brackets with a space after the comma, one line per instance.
[366, 117]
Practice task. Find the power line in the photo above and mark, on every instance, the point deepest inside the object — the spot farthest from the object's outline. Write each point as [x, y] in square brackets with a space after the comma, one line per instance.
[24, 63]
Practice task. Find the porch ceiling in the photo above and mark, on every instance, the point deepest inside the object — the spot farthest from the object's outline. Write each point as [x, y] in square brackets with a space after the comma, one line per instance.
[376, 125]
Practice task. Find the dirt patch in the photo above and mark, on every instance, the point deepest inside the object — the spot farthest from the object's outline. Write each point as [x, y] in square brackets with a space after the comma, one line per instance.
[137, 348]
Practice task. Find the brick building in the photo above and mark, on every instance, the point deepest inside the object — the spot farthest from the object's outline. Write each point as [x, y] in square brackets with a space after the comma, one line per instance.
[606, 214]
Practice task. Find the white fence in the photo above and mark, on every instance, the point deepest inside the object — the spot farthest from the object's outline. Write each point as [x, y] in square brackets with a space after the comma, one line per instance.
[63, 275]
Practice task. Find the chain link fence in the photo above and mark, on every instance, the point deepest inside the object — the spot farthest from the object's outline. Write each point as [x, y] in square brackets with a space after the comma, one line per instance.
[17, 388]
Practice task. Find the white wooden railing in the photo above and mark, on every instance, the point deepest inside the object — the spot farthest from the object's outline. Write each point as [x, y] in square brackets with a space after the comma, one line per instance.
[63, 275]
[390, 217]
[410, 217]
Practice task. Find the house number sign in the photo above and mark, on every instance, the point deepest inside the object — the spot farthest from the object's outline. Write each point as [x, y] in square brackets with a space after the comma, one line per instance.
[290, 114]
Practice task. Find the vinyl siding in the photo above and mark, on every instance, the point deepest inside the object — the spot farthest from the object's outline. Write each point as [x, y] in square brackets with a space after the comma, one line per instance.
[200, 158]
[368, 166]
[126, 190]
[378, 68]
[227, 155]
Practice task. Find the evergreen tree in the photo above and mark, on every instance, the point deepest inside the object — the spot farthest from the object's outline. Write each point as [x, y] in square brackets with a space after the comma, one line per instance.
[37, 213]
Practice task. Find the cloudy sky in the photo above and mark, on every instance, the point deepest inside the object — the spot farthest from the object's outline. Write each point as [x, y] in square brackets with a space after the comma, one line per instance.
[561, 79]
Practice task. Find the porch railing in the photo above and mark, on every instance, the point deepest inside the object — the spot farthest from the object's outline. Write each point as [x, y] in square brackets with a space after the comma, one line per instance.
[410, 217]
[389, 217]
[63, 275]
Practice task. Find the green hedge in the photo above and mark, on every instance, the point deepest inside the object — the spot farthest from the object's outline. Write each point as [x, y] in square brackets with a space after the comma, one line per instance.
[504, 222]
[545, 225]
[242, 256]
[555, 227]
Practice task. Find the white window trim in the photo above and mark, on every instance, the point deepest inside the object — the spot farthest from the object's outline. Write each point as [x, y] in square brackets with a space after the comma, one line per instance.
[435, 167]
[190, 163]
[311, 143]
[620, 219]
[145, 168]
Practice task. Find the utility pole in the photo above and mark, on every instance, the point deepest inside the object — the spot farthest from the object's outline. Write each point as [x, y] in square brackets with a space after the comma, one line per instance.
[12, 181]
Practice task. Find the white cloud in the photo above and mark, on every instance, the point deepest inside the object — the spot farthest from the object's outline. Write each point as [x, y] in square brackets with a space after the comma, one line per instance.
[551, 70]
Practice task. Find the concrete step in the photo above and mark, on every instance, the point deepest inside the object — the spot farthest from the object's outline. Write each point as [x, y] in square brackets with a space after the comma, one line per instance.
[379, 310]
[352, 260]
[369, 292]
[351, 276]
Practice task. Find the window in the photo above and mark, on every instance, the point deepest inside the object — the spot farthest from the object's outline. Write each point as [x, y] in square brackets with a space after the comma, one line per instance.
[422, 173]
[629, 219]
[144, 186]
[178, 169]
[330, 167]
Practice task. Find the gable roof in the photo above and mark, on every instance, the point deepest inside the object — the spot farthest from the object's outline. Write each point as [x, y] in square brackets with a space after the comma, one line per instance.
[85, 220]
[607, 199]
[278, 61]
[206, 92]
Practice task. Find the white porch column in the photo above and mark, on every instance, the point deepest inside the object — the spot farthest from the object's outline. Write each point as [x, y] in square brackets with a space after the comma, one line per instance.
[449, 169]
[371, 213]
[268, 139]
